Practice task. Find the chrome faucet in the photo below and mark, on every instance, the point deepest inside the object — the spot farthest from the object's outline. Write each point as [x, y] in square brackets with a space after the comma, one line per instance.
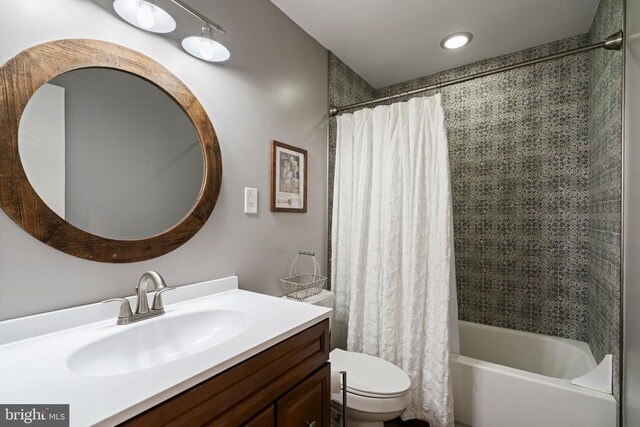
[142, 307]
[141, 289]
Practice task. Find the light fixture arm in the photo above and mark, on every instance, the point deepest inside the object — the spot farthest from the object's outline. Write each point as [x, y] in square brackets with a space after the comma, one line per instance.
[200, 16]
[207, 31]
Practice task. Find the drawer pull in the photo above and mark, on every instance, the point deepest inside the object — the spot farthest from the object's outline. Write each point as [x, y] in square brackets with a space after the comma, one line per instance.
[310, 424]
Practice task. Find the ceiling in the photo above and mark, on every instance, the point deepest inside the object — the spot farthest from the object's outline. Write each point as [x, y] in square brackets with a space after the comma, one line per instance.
[390, 41]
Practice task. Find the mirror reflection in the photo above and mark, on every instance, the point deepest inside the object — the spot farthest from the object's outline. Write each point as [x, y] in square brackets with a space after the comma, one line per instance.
[111, 153]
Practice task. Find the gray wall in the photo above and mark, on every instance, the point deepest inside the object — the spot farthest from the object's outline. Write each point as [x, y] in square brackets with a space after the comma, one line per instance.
[631, 365]
[518, 144]
[605, 180]
[274, 87]
[133, 160]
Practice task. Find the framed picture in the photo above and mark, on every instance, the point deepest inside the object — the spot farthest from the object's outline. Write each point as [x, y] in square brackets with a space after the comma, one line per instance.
[288, 178]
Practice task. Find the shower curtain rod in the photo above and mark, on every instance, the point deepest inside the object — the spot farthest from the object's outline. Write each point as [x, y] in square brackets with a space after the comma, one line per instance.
[613, 42]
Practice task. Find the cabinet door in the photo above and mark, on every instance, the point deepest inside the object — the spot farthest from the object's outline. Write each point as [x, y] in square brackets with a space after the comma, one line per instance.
[265, 418]
[309, 403]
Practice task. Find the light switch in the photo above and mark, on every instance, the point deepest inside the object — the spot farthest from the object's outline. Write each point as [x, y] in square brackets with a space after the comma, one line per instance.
[250, 200]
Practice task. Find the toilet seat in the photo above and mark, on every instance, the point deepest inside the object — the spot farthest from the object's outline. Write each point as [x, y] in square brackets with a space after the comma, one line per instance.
[370, 376]
[373, 385]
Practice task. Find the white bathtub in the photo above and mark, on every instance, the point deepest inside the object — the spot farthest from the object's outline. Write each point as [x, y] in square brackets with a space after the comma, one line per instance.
[510, 378]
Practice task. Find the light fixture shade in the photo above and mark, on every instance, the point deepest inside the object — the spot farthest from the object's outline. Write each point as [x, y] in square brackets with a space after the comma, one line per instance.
[206, 49]
[456, 40]
[145, 15]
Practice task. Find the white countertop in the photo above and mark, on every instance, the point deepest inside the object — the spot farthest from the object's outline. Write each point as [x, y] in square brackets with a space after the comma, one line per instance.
[34, 352]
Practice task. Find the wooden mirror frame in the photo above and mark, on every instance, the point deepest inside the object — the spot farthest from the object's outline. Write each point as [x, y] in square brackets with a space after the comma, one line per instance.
[25, 73]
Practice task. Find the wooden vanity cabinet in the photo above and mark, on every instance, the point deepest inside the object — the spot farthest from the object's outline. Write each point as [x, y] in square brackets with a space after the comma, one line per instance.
[285, 385]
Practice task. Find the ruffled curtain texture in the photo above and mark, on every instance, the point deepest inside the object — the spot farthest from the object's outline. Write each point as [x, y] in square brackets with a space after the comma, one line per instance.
[392, 240]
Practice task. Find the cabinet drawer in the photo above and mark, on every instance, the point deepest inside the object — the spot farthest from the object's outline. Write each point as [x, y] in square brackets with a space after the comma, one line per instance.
[308, 403]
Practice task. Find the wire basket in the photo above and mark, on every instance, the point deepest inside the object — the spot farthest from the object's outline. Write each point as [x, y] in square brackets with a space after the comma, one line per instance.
[303, 286]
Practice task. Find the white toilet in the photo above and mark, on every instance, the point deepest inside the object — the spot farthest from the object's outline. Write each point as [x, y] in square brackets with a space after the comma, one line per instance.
[377, 391]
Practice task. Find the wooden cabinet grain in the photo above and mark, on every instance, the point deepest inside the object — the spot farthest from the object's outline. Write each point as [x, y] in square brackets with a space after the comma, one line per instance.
[289, 380]
[265, 418]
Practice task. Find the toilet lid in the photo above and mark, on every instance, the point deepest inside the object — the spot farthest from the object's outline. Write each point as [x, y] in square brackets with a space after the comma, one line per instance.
[368, 375]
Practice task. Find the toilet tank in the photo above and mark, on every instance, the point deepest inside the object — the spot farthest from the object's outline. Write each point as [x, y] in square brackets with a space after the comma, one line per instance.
[323, 299]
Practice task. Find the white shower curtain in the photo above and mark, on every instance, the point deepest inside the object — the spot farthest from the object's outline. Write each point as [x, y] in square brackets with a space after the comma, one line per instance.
[392, 242]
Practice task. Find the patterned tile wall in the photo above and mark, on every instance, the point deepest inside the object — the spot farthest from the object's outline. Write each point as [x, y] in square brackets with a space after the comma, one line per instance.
[605, 147]
[519, 157]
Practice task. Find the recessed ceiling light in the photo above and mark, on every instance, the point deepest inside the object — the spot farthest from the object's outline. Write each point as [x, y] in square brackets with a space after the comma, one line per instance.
[456, 40]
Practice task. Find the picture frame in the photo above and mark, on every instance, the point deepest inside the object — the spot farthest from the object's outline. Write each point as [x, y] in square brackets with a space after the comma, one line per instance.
[288, 178]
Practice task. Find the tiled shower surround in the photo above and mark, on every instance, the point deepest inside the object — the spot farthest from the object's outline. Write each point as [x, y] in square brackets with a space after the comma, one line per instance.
[605, 175]
[536, 221]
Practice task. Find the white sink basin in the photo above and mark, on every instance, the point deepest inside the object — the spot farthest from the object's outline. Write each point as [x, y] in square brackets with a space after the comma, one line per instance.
[157, 341]
[79, 355]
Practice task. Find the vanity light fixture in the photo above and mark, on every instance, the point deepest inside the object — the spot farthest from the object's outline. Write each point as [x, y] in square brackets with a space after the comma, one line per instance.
[204, 46]
[145, 15]
[456, 40]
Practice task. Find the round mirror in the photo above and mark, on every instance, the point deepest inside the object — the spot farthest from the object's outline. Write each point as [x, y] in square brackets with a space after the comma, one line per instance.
[104, 154]
[111, 153]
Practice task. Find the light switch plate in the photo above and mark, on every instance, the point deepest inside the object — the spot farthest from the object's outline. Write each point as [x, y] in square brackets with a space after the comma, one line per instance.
[250, 200]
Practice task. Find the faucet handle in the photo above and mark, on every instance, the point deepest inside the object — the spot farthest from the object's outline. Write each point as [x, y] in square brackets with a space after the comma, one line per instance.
[157, 299]
[125, 307]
